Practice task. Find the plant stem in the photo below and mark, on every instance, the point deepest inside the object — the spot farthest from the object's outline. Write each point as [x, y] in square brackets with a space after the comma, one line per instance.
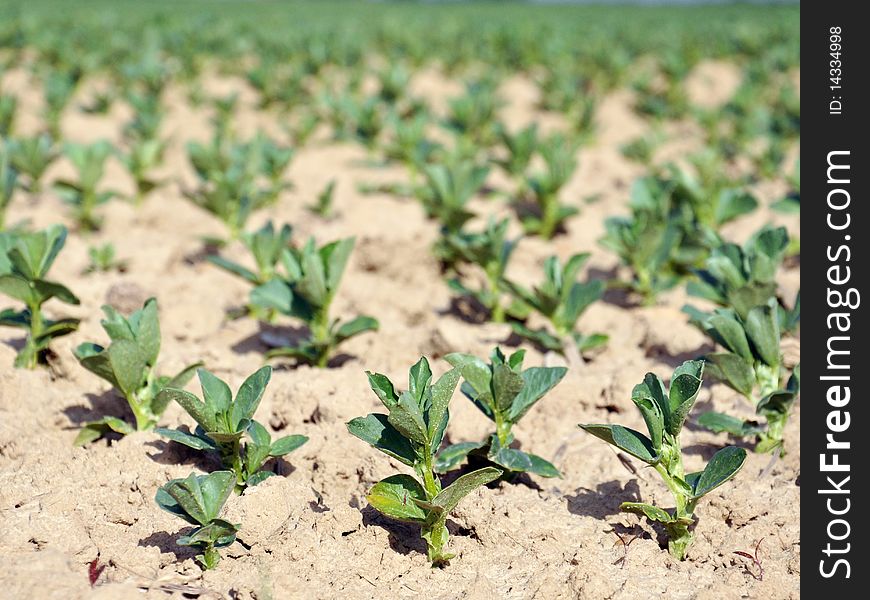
[36, 327]
[549, 216]
[320, 335]
[496, 309]
[671, 469]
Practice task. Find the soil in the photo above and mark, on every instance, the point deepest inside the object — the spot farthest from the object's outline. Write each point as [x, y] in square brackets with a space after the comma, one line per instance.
[309, 532]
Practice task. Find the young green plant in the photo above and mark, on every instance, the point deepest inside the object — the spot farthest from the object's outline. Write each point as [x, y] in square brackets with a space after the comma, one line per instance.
[752, 365]
[89, 161]
[664, 411]
[25, 259]
[199, 500]
[560, 299]
[490, 252]
[744, 277]
[31, 157]
[411, 433]
[129, 363]
[550, 215]
[266, 246]
[223, 423]
[504, 392]
[305, 291]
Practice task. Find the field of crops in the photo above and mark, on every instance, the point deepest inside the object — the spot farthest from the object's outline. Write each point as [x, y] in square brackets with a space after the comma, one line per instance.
[543, 216]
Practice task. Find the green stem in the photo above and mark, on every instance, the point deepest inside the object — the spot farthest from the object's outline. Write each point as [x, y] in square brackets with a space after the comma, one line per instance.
[320, 335]
[496, 309]
[502, 429]
[549, 216]
[36, 327]
[680, 537]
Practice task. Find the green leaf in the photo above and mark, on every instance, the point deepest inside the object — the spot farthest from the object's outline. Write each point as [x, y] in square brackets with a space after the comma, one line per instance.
[128, 365]
[452, 456]
[651, 413]
[355, 327]
[728, 331]
[49, 289]
[721, 423]
[94, 430]
[383, 388]
[407, 418]
[442, 393]
[249, 395]
[233, 268]
[148, 334]
[762, 327]
[200, 497]
[216, 530]
[449, 497]
[186, 439]
[733, 370]
[628, 440]
[394, 497]
[506, 385]
[734, 203]
[287, 444]
[685, 386]
[17, 288]
[197, 409]
[96, 360]
[376, 430]
[336, 255]
[418, 378]
[217, 396]
[475, 372]
[723, 466]
[312, 286]
[274, 294]
[542, 467]
[537, 382]
[653, 513]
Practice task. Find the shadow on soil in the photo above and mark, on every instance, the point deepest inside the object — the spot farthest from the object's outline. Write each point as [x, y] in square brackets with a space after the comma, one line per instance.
[604, 500]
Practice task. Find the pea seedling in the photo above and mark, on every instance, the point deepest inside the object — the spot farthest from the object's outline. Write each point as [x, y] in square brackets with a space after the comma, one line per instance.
[222, 422]
[664, 411]
[305, 292]
[8, 182]
[266, 246]
[752, 361]
[25, 259]
[488, 250]
[561, 300]
[199, 499]
[559, 157]
[102, 259]
[82, 195]
[129, 364]
[411, 433]
[448, 189]
[742, 278]
[504, 392]
[31, 157]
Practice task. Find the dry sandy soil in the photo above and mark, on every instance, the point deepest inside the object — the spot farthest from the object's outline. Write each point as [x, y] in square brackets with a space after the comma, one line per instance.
[309, 533]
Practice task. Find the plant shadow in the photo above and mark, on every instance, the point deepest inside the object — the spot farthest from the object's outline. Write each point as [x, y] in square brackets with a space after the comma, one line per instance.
[109, 403]
[269, 337]
[165, 542]
[403, 538]
[616, 296]
[16, 343]
[168, 452]
[466, 309]
[604, 500]
[660, 353]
